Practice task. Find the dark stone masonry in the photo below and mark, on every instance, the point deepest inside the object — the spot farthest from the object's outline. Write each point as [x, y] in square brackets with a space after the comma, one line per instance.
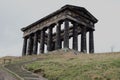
[48, 31]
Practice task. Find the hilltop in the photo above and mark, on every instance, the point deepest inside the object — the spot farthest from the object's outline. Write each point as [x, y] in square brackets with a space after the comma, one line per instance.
[68, 66]
[72, 65]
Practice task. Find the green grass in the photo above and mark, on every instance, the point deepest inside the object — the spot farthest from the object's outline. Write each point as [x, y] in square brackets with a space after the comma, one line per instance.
[78, 67]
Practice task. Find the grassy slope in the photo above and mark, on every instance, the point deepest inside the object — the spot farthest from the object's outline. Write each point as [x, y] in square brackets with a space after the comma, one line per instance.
[78, 67]
[17, 59]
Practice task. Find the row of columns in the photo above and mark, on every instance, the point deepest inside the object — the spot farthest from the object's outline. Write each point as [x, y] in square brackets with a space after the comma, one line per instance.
[33, 41]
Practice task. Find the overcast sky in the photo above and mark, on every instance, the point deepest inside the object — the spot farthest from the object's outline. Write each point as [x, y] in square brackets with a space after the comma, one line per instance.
[15, 14]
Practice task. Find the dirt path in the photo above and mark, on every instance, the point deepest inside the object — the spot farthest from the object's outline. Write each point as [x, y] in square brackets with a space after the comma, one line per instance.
[19, 70]
[5, 75]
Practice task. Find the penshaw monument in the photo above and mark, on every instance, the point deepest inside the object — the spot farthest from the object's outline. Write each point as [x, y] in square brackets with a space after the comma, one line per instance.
[55, 30]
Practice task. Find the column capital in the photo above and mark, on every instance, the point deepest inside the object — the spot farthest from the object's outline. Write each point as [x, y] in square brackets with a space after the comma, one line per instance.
[44, 29]
[66, 19]
[73, 22]
[60, 22]
[52, 25]
[26, 37]
[91, 30]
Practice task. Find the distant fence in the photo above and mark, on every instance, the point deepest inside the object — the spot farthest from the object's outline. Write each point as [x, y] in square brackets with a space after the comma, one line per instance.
[7, 61]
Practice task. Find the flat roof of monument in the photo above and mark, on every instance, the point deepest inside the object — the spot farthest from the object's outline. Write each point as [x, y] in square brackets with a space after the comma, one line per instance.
[70, 7]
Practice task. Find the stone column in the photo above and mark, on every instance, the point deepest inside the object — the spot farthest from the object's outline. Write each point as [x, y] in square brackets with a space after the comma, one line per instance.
[75, 36]
[24, 46]
[83, 40]
[91, 42]
[49, 40]
[58, 36]
[66, 34]
[35, 44]
[39, 39]
[42, 40]
[30, 46]
[53, 46]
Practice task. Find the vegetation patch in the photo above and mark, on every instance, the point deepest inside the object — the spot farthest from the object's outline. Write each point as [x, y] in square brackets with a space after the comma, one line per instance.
[78, 67]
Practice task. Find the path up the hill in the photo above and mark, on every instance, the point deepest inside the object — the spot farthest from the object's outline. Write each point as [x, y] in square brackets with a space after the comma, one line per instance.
[18, 69]
[5, 75]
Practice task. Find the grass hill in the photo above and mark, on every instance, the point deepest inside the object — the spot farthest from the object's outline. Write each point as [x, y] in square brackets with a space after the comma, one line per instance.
[72, 65]
[68, 66]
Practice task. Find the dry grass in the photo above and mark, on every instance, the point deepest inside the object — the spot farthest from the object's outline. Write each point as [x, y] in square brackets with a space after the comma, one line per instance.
[61, 65]
[72, 65]
[67, 55]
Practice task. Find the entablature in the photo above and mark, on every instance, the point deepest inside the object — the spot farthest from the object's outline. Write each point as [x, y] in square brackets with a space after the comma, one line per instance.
[67, 14]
